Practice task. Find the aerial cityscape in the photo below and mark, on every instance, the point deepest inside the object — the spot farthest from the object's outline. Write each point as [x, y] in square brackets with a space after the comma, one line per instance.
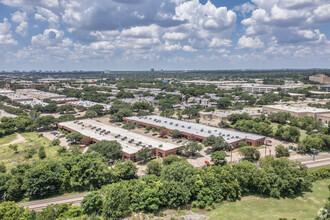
[169, 109]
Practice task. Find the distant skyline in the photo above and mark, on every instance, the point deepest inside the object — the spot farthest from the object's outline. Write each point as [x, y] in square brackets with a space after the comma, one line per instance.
[164, 34]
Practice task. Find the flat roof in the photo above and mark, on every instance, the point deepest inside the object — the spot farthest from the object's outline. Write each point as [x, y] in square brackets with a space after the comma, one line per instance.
[88, 104]
[230, 136]
[226, 113]
[33, 103]
[89, 127]
[297, 109]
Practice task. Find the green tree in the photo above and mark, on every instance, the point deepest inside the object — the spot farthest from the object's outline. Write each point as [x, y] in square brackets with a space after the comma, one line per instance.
[56, 142]
[10, 211]
[249, 153]
[129, 126]
[92, 204]
[175, 133]
[143, 154]
[193, 147]
[223, 103]
[108, 149]
[219, 158]
[124, 170]
[75, 137]
[42, 153]
[282, 151]
[117, 201]
[154, 167]
[3, 168]
[90, 114]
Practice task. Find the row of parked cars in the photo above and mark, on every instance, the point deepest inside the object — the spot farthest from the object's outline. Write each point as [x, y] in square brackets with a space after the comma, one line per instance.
[56, 134]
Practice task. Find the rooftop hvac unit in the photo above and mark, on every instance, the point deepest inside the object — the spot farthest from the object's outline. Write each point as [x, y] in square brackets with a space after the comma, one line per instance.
[223, 135]
[155, 119]
[182, 126]
[171, 123]
[150, 146]
[189, 127]
[165, 121]
[202, 130]
[160, 146]
[237, 136]
[228, 135]
[143, 146]
[209, 131]
[176, 124]
[140, 142]
[132, 140]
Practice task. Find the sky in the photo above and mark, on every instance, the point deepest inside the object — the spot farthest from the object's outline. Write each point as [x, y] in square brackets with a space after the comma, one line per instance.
[164, 34]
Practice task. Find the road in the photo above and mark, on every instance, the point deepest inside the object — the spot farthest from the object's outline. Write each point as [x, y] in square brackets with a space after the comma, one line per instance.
[38, 205]
[317, 163]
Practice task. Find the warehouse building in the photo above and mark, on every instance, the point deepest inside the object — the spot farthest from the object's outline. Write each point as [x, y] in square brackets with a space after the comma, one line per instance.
[223, 116]
[199, 132]
[295, 111]
[88, 104]
[131, 142]
[37, 94]
[15, 97]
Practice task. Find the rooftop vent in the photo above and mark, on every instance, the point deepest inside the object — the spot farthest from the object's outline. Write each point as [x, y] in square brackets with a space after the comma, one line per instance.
[160, 146]
[209, 131]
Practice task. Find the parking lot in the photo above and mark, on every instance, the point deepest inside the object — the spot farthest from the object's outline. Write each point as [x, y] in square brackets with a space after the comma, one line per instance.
[51, 137]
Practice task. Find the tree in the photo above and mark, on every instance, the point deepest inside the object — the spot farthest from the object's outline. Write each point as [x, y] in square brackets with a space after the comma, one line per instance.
[92, 204]
[45, 122]
[10, 211]
[90, 114]
[224, 103]
[175, 133]
[282, 151]
[219, 158]
[14, 147]
[242, 144]
[42, 153]
[138, 106]
[154, 167]
[75, 137]
[171, 159]
[193, 147]
[129, 126]
[96, 108]
[56, 142]
[108, 149]
[117, 201]
[43, 180]
[249, 153]
[143, 154]
[67, 117]
[191, 111]
[217, 143]
[124, 112]
[124, 170]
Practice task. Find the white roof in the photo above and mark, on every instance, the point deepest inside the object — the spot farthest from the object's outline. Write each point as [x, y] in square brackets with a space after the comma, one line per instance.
[88, 127]
[298, 109]
[230, 136]
[88, 104]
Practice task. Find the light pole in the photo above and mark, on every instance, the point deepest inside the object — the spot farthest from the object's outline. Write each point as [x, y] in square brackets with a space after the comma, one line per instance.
[231, 153]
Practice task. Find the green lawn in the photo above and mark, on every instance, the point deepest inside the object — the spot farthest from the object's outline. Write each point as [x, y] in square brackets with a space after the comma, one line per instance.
[10, 158]
[7, 139]
[253, 207]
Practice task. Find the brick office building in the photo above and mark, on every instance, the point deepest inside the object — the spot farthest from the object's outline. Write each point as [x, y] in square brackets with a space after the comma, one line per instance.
[195, 131]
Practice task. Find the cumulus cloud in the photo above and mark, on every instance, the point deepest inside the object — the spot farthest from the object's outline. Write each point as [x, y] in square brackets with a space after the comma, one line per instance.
[249, 42]
[6, 37]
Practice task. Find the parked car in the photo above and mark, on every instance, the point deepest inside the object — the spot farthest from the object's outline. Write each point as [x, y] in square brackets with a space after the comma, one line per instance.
[160, 136]
[154, 134]
[146, 132]
[179, 141]
[61, 136]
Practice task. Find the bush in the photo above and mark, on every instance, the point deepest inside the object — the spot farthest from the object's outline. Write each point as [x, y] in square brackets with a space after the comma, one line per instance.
[318, 174]
[154, 167]
[92, 203]
[170, 159]
[282, 151]
[56, 142]
[129, 126]
[249, 153]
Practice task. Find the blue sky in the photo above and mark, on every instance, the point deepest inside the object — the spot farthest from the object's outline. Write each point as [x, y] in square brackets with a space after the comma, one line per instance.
[164, 34]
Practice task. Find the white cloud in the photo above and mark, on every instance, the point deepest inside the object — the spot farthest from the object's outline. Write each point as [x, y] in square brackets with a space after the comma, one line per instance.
[250, 43]
[188, 48]
[44, 14]
[22, 28]
[50, 37]
[19, 17]
[6, 37]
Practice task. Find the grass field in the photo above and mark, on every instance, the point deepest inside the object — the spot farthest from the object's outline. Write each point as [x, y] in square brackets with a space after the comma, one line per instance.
[7, 139]
[33, 141]
[252, 207]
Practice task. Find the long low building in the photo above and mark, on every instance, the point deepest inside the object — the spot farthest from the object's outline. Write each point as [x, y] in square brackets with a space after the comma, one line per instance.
[34, 93]
[223, 116]
[197, 131]
[295, 111]
[131, 142]
[88, 104]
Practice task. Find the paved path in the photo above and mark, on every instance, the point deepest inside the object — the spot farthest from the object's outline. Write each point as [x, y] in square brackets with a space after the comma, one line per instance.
[317, 163]
[19, 139]
[38, 205]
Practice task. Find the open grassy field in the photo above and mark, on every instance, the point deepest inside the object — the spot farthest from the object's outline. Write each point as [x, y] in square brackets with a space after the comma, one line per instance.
[7, 139]
[33, 143]
[253, 207]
